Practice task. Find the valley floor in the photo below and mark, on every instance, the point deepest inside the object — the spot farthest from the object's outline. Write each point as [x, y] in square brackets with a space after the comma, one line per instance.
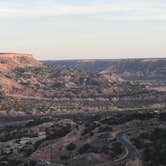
[105, 139]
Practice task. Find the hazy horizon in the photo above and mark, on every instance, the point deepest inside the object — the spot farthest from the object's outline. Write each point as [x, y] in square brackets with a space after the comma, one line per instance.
[107, 29]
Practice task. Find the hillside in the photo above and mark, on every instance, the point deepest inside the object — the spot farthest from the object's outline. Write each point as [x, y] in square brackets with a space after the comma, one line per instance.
[146, 71]
[31, 87]
[23, 75]
[36, 88]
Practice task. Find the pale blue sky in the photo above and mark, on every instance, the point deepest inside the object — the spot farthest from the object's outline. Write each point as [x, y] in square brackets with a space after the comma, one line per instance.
[63, 29]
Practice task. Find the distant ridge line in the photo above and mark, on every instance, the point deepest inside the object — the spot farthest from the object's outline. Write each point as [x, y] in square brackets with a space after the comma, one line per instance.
[82, 60]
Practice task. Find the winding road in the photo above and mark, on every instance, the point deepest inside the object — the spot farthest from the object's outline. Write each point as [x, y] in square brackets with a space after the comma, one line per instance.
[129, 148]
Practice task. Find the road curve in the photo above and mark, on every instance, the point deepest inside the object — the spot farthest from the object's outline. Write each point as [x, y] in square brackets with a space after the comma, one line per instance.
[129, 148]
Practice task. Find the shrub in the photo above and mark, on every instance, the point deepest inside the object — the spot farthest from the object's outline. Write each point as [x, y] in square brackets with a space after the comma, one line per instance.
[71, 146]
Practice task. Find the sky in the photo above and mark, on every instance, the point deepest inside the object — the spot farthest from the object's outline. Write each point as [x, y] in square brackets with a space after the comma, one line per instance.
[84, 29]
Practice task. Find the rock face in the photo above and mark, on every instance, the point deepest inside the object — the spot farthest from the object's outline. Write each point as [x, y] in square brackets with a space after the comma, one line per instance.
[9, 61]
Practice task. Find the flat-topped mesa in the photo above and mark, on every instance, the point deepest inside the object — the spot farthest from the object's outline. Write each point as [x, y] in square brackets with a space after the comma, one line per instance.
[10, 61]
[15, 54]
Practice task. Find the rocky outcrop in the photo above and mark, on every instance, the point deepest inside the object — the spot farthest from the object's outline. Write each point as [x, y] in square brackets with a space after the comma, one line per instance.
[10, 61]
[111, 77]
